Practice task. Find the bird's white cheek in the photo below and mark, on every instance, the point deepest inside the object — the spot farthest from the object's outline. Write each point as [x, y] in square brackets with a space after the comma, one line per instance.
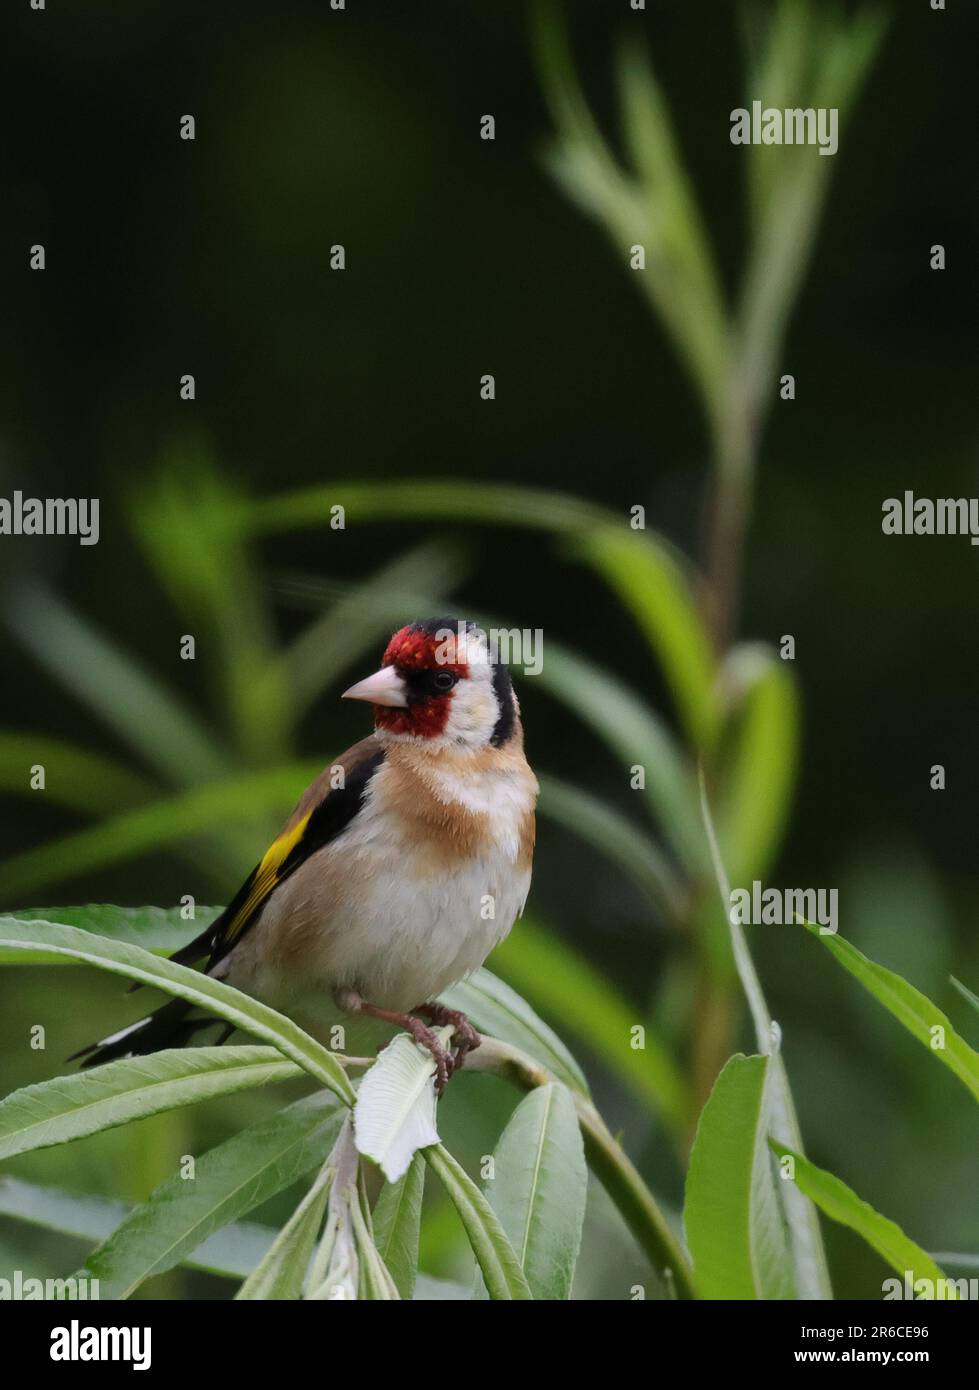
[472, 714]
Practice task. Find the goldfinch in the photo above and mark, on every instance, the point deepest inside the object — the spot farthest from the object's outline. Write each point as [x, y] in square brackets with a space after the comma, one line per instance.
[403, 864]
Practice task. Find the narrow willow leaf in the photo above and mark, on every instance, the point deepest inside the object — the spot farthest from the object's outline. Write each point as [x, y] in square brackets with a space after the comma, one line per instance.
[395, 1112]
[232, 1252]
[494, 1254]
[397, 1225]
[74, 778]
[965, 992]
[161, 930]
[59, 943]
[175, 820]
[497, 1009]
[840, 1203]
[732, 1214]
[699, 319]
[377, 1285]
[759, 780]
[952, 1259]
[152, 720]
[282, 1270]
[539, 1187]
[584, 1003]
[923, 1019]
[229, 1181]
[652, 586]
[808, 1255]
[426, 499]
[185, 518]
[69, 1107]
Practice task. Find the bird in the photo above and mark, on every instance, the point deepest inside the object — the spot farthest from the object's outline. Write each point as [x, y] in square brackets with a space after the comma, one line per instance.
[403, 864]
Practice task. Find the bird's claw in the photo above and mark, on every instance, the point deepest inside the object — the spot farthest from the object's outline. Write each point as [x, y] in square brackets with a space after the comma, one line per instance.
[445, 1063]
[466, 1037]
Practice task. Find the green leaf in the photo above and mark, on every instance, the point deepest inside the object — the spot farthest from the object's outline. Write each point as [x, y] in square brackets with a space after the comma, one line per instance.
[131, 702]
[425, 499]
[965, 992]
[494, 1254]
[397, 1225]
[617, 838]
[582, 1001]
[653, 588]
[840, 1203]
[174, 820]
[282, 1270]
[161, 930]
[232, 1252]
[395, 1112]
[377, 1284]
[923, 1019]
[69, 1107]
[808, 1255]
[187, 520]
[497, 1009]
[73, 777]
[688, 290]
[59, 943]
[230, 1181]
[539, 1188]
[759, 779]
[732, 1214]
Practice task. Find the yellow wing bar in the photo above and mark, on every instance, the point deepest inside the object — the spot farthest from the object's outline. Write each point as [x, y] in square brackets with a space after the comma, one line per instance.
[266, 876]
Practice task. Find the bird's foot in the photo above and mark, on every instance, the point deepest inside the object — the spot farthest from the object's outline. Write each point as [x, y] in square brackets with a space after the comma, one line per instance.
[466, 1037]
[445, 1063]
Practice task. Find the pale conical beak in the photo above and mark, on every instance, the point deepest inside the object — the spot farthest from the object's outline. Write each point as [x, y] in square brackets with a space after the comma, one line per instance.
[384, 687]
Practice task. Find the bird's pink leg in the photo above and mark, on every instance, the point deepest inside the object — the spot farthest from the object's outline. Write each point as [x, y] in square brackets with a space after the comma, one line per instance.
[444, 1061]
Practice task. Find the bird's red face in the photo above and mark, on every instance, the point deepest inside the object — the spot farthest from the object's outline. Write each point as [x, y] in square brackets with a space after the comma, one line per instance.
[437, 683]
[429, 673]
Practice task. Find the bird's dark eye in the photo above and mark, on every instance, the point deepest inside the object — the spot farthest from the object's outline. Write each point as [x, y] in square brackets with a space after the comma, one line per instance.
[444, 680]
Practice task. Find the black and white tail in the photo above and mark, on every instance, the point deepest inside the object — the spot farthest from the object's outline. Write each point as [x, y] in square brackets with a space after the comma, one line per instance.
[170, 1026]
